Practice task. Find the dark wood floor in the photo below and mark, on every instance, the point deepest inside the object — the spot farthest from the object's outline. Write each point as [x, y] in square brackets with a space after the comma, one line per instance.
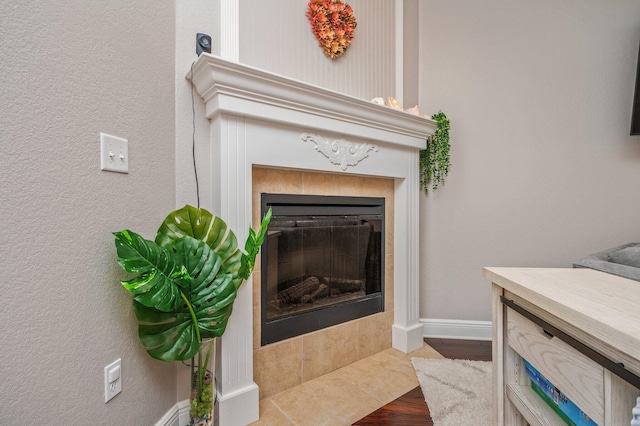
[477, 350]
[411, 409]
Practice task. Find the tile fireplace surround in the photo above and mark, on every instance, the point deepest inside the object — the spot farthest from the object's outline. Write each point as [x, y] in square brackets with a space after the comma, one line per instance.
[259, 120]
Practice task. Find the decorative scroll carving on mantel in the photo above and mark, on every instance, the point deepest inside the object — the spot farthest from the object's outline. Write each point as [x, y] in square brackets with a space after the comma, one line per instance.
[341, 151]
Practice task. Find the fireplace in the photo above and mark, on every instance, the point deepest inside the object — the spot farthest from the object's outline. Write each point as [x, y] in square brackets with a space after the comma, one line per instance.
[322, 263]
[260, 120]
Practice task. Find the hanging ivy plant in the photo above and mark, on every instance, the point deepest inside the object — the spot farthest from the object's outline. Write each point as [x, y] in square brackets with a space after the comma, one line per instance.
[434, 161]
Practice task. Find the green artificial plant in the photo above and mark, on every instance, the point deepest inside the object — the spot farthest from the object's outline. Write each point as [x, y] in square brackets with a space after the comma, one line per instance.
[185, 284]
[434, 161]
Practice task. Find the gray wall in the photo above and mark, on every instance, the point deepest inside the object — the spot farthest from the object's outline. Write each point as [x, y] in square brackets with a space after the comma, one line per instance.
[70, 70]
[544, 170]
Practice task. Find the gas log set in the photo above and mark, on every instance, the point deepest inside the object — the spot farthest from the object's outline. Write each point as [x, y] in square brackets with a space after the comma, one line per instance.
[313, 288]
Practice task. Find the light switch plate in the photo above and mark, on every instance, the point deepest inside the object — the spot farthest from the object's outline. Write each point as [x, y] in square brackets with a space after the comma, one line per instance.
[114, 154]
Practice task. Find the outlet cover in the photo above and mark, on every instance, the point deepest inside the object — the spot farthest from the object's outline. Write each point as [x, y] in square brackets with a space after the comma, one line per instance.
[112, 379]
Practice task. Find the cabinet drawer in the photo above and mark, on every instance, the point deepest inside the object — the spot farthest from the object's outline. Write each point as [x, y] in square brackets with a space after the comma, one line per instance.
[578, 377]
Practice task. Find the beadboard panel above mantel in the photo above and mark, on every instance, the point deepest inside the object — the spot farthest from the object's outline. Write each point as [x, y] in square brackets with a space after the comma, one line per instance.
[368, 64]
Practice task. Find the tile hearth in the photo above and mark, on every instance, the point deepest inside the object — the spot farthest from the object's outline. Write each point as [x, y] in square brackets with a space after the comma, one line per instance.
[344, 396]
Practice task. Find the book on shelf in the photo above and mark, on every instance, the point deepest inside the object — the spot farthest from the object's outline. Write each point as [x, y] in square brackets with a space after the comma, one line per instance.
[569, 412]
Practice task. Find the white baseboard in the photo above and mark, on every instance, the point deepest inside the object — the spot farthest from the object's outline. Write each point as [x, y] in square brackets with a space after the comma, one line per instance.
[178, 415]
[240, 408]
[406, 339]
[456, 329]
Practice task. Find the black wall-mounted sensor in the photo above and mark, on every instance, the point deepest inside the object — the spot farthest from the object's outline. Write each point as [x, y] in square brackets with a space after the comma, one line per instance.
[203, 43]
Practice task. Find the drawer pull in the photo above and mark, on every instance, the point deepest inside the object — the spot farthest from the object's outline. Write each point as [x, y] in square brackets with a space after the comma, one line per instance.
[546, 333]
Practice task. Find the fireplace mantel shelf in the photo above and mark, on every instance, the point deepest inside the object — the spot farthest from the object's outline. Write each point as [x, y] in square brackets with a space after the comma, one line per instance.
[260, 119]
[240, 89]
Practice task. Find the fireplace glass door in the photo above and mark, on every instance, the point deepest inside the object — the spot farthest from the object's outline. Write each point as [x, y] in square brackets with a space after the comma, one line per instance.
[322, 262]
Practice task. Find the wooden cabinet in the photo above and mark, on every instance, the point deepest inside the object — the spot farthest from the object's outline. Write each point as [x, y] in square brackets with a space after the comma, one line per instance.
[579, 328]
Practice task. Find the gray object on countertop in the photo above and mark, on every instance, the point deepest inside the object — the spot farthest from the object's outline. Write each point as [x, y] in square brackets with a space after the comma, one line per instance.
[623, 261]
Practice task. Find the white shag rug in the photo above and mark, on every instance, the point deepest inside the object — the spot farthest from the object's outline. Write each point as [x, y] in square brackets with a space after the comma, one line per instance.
[458, 392]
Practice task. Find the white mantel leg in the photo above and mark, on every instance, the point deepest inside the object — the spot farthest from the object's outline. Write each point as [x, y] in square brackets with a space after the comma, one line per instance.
[238, 398]
[407, 330]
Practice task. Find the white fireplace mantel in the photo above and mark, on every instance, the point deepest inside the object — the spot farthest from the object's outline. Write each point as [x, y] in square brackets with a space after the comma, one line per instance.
[262, 119]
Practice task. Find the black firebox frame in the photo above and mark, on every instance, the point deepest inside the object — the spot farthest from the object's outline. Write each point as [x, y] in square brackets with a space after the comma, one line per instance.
[287, 326]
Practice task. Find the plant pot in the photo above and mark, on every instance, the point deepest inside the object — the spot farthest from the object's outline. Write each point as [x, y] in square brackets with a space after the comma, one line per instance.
[203, 389]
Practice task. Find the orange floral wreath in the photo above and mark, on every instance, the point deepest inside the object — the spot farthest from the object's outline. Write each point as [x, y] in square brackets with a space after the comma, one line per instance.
[333, 24]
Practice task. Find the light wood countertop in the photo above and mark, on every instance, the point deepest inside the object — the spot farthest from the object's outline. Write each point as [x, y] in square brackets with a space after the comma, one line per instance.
[602, 305]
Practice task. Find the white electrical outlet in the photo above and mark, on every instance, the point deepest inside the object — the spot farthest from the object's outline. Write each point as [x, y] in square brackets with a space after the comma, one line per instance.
[112, 379]
[114, 154]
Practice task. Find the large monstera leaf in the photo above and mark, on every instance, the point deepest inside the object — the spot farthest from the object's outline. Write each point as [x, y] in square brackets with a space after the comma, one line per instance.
[195, 305]
[187, 279]
[161, 275]
[202, 225]
[208, 302]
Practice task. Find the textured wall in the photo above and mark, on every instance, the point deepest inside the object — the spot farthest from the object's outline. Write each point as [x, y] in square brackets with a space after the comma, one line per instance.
[70, 70]
[192, 17]
[544, 172]
[276, 36]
